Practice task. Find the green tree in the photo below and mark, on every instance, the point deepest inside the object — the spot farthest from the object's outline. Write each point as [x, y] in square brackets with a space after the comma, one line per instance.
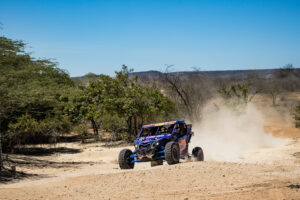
[120, 104]
[31, 92]
[139, 104]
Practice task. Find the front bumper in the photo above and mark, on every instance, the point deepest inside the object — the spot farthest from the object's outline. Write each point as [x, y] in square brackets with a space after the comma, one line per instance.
[147, 153]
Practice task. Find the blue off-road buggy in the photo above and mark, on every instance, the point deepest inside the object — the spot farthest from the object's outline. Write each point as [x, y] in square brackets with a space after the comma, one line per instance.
[167, 141]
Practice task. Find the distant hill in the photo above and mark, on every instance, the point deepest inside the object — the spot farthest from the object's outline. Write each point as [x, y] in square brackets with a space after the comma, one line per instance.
[263, 73]
[217, 74]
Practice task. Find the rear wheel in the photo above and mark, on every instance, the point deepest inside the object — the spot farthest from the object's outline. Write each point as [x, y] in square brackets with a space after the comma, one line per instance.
[125, 162]
[172, 153]
[198, 153]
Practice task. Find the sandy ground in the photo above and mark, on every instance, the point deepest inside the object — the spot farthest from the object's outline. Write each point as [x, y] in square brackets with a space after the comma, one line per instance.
[90, 171]
[93, 173]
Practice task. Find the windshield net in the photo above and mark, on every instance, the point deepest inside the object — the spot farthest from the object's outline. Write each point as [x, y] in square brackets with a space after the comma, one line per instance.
[159, 130]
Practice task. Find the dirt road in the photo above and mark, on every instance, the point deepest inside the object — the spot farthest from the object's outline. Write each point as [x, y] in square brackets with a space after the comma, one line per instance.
[263, 175]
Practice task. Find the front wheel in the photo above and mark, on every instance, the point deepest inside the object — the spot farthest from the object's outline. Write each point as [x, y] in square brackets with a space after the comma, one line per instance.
[172, 153]
[198, 153]
[125, 162]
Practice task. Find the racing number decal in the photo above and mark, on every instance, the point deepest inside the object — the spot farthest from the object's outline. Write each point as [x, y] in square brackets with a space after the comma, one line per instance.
[182, 144]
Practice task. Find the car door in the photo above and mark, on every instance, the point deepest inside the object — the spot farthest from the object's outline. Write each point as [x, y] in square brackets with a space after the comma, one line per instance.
[183, 141]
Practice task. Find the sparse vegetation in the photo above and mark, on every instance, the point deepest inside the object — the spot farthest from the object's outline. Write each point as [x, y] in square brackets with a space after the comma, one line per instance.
[238, 94]
[188, 93]
[297, 116]
[273, 89]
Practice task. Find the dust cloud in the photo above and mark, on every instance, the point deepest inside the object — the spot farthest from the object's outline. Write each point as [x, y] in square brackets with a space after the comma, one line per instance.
[230, 135]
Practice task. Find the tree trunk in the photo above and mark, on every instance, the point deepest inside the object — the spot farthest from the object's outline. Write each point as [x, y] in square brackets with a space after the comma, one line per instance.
[129, 124]
[142, 123]
[95, 128]
[274, 97]
[135, 126]
[175, 84]
[1, 161]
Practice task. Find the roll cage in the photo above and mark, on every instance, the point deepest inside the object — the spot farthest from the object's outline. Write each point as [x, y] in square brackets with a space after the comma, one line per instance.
[173, 127]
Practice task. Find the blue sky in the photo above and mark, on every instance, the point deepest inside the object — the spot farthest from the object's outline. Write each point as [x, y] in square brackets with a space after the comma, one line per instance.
[99, 36]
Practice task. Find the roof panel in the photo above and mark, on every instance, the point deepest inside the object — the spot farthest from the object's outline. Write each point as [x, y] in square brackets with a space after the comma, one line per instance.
[161, 124]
